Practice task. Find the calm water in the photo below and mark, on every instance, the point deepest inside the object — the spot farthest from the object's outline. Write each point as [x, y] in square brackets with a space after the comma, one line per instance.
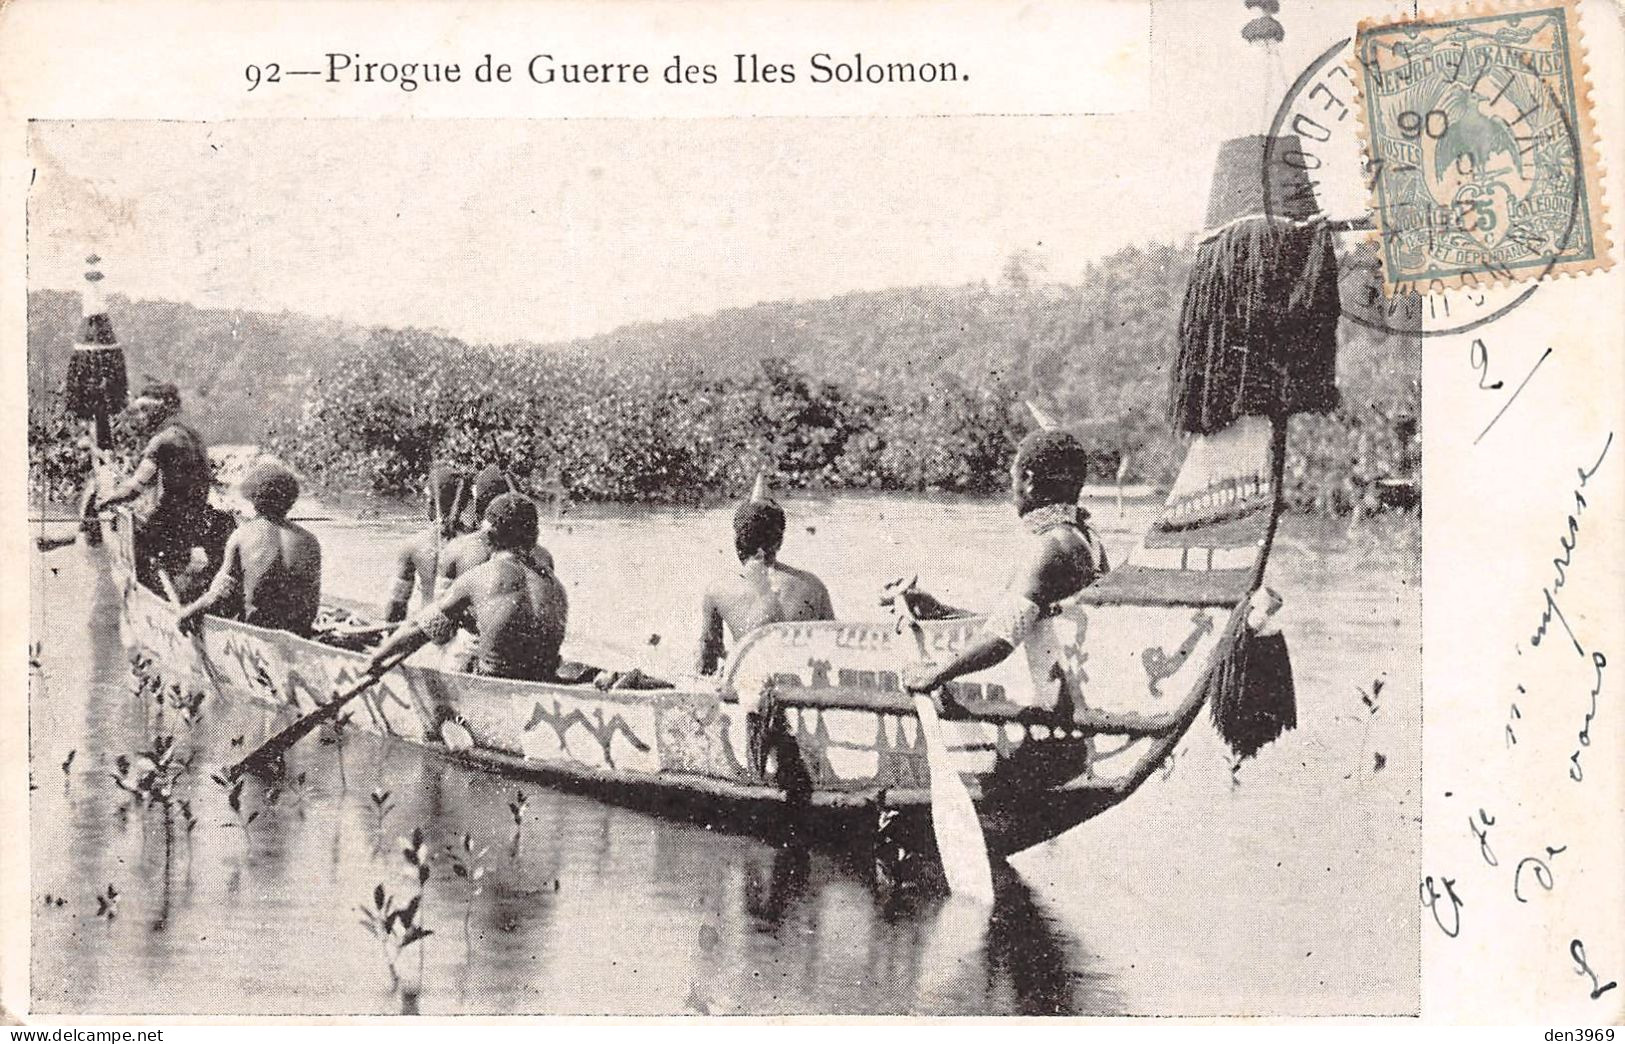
[1286, 888]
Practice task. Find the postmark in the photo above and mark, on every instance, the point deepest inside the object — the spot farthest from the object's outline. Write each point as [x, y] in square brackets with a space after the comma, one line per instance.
[1482, 154]
[1315, 130]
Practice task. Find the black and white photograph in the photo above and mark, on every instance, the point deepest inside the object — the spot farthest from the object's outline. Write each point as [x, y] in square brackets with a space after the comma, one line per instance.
[793, 565]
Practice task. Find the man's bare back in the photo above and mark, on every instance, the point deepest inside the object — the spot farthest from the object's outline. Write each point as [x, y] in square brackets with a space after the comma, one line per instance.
[274, 571]
[760, 594]
[763, 591]
[517, 606]
[417, 568]
[520, 610]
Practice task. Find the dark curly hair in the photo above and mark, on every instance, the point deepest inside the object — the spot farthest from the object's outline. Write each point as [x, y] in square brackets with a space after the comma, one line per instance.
[272, 489]
[758, 526]
[1057, 462]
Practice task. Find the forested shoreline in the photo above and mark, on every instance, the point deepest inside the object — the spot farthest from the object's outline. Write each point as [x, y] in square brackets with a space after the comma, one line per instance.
[909, 390]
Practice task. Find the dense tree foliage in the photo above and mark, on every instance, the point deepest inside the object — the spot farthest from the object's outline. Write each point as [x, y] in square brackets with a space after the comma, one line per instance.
[912, 389]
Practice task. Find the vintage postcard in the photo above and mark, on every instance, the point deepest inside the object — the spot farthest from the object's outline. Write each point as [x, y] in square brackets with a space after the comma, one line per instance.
[806, 510]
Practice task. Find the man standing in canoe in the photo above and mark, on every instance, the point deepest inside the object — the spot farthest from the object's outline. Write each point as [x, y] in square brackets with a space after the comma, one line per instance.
[518, 607]
[417, 562]
[1060, 558]
[763, 590]
[272, 575]
[175, 518]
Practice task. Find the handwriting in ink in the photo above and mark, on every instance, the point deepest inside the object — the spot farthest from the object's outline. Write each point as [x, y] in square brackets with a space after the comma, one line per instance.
[1598, 663]
[1577, 951]
[1542, 874]
[1479, 356]
[1483, 835]
[1568, 541]
[1511, 398]
[1515, 714]
[1431, 898]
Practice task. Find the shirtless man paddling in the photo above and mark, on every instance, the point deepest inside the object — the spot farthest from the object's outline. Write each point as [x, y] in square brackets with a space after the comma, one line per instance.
[272, 574]
[473, 548]
[1060, 558]
[173, 518]
[517, 605]
[417, 561]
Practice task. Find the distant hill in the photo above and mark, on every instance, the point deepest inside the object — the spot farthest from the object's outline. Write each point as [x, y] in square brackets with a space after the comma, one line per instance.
[1094, 353]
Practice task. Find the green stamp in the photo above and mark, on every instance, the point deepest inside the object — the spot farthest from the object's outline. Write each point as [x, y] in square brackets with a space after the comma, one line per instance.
[1483, 156]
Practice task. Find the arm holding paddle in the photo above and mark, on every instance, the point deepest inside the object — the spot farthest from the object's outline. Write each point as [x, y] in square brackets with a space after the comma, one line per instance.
[1056, 567]
[927, 678]
[432, 624]
[400, 596]
[226, 585]
[921, 605]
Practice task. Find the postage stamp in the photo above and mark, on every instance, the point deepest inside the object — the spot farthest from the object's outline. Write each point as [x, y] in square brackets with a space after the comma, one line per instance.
[1483, 155]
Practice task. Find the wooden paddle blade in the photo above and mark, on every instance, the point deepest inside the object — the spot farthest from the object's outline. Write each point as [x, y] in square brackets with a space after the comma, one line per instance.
[960, 843]
[270, 752]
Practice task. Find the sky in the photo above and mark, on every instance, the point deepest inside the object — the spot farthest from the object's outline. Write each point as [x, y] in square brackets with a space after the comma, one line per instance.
[499, 230]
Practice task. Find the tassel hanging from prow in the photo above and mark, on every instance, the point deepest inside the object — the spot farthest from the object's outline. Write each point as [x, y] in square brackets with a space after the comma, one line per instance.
[1250, 692]
[97, 385]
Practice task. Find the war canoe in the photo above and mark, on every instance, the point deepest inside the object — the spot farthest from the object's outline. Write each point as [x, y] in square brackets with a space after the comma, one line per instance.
[810, 716]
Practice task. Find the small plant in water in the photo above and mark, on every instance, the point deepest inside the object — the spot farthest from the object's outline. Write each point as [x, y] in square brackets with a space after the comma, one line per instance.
[1372, 701]
[245, 817]
[333, 736]
[67, 762]
[381, 805]
[188, 706]
[398, 925]
[300, 790]
[466, 863]
[107, 903]
[516, 809]
[150, 775]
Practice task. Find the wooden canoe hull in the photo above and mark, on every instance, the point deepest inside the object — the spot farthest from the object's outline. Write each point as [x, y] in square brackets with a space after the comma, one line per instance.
[837, 734]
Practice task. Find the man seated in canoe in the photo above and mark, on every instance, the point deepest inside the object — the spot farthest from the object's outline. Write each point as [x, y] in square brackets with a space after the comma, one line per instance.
[177, 531]
[417, 561]
[1061, 557]
[469, 551]
[272, 574]
[517, 605]
[474, 547]
[763, 590]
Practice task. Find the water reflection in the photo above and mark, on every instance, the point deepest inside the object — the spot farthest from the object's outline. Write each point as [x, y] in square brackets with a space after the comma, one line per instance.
[582, 906]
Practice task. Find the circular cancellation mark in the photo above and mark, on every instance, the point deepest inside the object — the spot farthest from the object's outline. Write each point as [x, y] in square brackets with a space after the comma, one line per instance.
[1450, 310]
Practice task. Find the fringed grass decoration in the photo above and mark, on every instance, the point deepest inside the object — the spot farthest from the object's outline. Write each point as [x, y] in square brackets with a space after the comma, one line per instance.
[1258, 331]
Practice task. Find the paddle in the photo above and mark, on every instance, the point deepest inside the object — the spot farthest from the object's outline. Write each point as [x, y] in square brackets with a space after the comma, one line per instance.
[958, 829]
[270, 753]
